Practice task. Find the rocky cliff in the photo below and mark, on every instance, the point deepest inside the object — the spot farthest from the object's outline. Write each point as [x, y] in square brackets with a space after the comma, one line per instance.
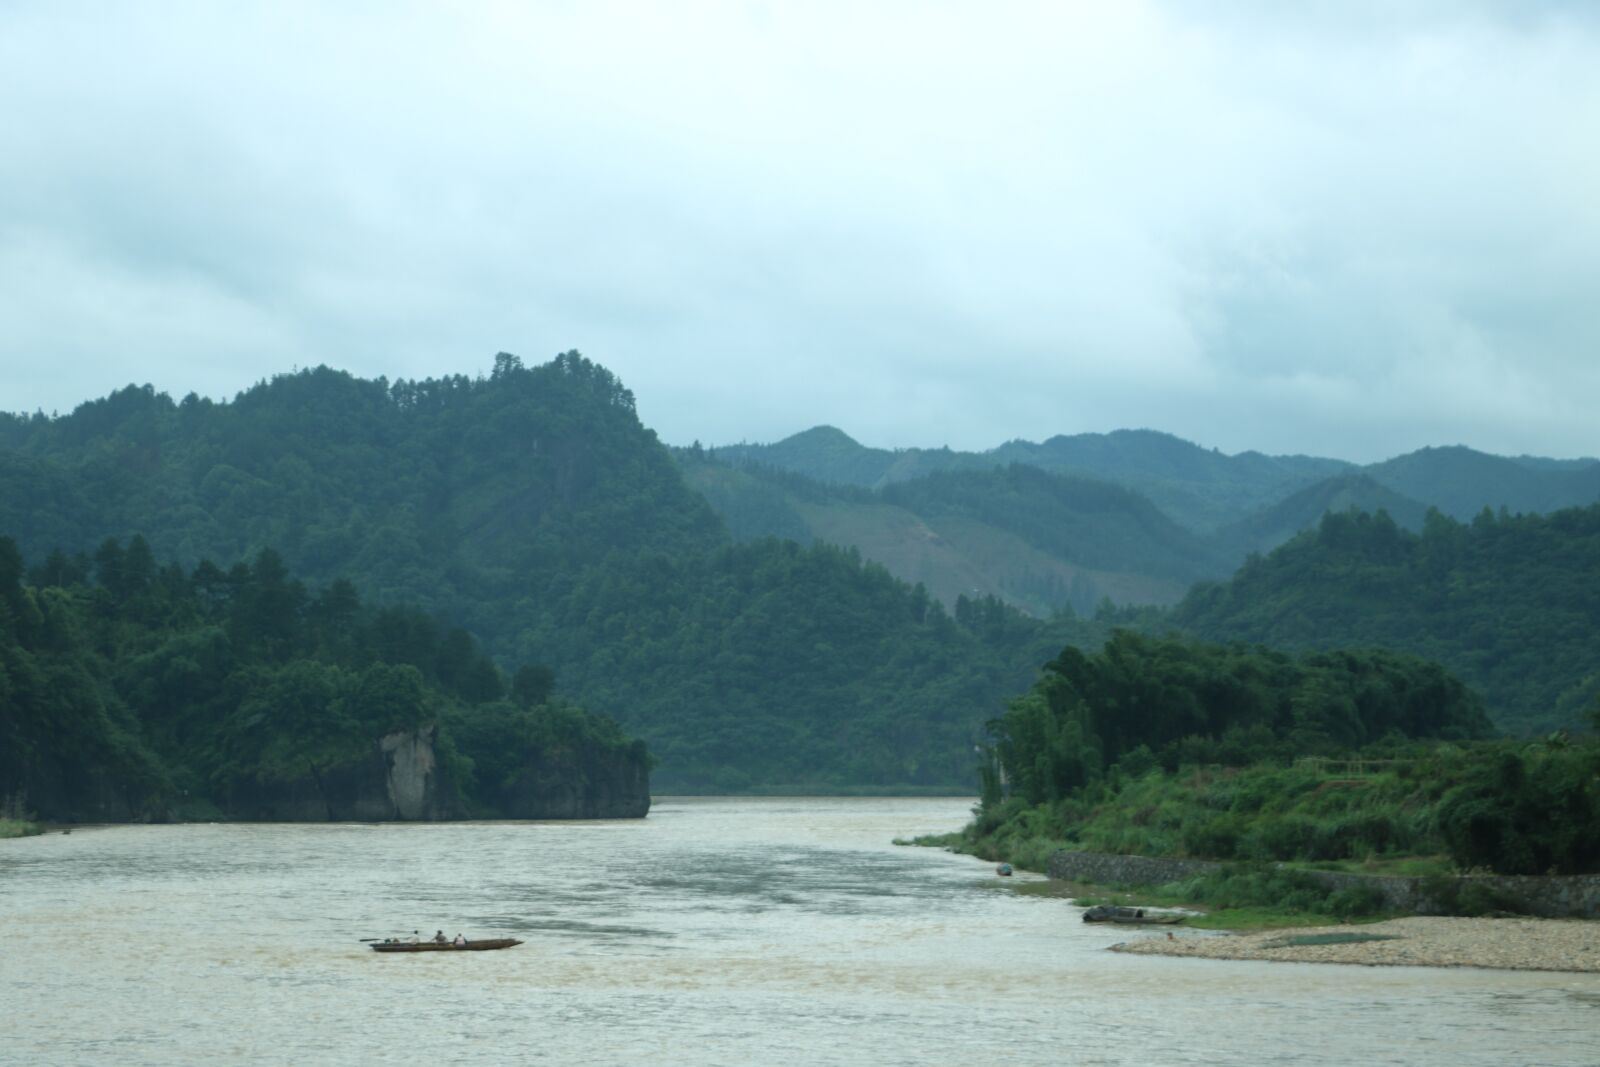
[583, 781]
[399, 779]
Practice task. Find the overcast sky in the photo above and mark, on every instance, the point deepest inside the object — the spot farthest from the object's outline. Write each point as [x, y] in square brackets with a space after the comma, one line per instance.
[1324, 228]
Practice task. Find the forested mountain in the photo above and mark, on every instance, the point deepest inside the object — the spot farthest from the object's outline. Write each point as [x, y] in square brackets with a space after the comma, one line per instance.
[137, 691]
[1038, 540]
[1271, 527]
[1199, 488]
[1511, 604]
[1461, 482]
[531, 509]
[840, 491]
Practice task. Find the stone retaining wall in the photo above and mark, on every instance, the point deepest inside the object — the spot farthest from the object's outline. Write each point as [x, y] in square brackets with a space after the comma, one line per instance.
[1576, 896]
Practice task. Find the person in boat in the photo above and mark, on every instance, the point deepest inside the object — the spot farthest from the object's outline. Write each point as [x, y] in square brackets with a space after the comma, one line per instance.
[414, 938]
[460, 941]
[439, 938]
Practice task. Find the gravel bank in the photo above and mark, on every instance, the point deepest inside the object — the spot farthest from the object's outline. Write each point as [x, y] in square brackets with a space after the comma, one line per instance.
[1511, 944]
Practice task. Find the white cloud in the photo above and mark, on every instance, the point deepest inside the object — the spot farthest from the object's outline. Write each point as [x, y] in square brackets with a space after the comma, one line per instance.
[1253, 225]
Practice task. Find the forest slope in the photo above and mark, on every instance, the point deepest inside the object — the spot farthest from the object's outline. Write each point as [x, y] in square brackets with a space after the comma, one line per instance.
[1038, 540]
[533, 510]
[1511, 604]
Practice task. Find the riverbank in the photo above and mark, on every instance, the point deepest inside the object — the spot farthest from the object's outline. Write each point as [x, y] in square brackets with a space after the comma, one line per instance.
[19, 828]
[1517, 944]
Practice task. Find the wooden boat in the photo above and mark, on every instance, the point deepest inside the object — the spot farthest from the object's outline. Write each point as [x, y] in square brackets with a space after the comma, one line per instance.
[437, 946]
[1109, 913]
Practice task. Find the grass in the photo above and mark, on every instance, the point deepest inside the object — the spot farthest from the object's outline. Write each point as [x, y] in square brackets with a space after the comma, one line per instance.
[19, 828]
[1394, 866]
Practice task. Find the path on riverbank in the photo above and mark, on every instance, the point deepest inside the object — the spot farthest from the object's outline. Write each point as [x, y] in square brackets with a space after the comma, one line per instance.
[1422, 941]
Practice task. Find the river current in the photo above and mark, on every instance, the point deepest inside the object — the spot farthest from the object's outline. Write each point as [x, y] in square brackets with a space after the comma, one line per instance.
[716, 931]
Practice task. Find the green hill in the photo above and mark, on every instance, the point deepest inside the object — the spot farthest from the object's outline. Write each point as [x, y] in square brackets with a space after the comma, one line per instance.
[1461, 482]
[137, 691]
[1199, 488]
[532, 509]
[1510, 604]
[1038, 540]
[1271, 527]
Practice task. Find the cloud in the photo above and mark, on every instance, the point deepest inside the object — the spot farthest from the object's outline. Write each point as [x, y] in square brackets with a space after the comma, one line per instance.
[1335, 228]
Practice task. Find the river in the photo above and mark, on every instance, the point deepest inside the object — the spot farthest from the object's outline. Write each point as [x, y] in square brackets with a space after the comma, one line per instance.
[716, 931]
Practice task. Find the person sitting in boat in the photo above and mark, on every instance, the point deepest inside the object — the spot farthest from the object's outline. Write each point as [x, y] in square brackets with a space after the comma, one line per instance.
[461, 941]
[414, 938]
[439, 938]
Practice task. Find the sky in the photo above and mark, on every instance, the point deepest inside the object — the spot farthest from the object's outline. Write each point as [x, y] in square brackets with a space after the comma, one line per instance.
[1346, 229]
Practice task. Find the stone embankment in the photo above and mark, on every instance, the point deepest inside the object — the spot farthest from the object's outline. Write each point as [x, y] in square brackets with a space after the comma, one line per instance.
[1422, 941]
[1553, 896]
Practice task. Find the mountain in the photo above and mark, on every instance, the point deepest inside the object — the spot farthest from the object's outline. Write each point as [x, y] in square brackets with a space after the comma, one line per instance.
[1546, 463]
[1462, 482]
[1039, 540]
[1511, 604]
[531, 509]
[1272, 526]
[1199, 488]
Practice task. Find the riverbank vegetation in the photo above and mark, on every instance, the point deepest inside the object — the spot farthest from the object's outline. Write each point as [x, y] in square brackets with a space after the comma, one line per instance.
[138, 690]
[1507, 603]
[10, 827]
[1340, 760]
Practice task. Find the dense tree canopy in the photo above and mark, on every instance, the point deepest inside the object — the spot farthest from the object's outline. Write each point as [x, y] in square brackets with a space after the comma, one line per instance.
[136, 690]
[1510, 603]
[1170, 701]
[532, 513]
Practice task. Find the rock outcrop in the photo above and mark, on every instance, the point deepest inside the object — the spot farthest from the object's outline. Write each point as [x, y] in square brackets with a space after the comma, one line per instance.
[586, 781]
[399, 779]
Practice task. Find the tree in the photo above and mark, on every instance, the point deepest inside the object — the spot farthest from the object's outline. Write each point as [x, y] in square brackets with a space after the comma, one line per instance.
[532, 685]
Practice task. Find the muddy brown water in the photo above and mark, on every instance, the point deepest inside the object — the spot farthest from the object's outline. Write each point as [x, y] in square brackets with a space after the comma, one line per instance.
[716, 931]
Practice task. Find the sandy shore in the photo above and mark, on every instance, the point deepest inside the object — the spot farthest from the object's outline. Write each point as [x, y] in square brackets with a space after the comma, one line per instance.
[1512, 944]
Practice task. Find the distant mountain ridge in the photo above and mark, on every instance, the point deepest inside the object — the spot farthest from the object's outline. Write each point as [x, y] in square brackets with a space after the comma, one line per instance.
[1352, 491]
[911, 509]
[1461, 481]
[1039, 540]
[1201, 489]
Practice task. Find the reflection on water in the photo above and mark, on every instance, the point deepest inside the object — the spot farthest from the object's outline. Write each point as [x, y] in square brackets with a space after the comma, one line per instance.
[713, 932]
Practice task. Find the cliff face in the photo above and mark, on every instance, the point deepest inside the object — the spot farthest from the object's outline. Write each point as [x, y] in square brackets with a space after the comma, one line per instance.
[62, 791]
[400, 779]
[580, 782]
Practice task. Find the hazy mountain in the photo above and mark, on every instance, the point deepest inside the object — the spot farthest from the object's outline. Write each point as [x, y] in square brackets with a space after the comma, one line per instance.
[1272, 526]
[1199, 488]
[1462, 482]
[1036, 539]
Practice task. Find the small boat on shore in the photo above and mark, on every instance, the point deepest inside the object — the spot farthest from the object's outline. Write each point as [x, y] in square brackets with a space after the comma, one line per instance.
[1112, 913]
[444, 946]
[1004, 870]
